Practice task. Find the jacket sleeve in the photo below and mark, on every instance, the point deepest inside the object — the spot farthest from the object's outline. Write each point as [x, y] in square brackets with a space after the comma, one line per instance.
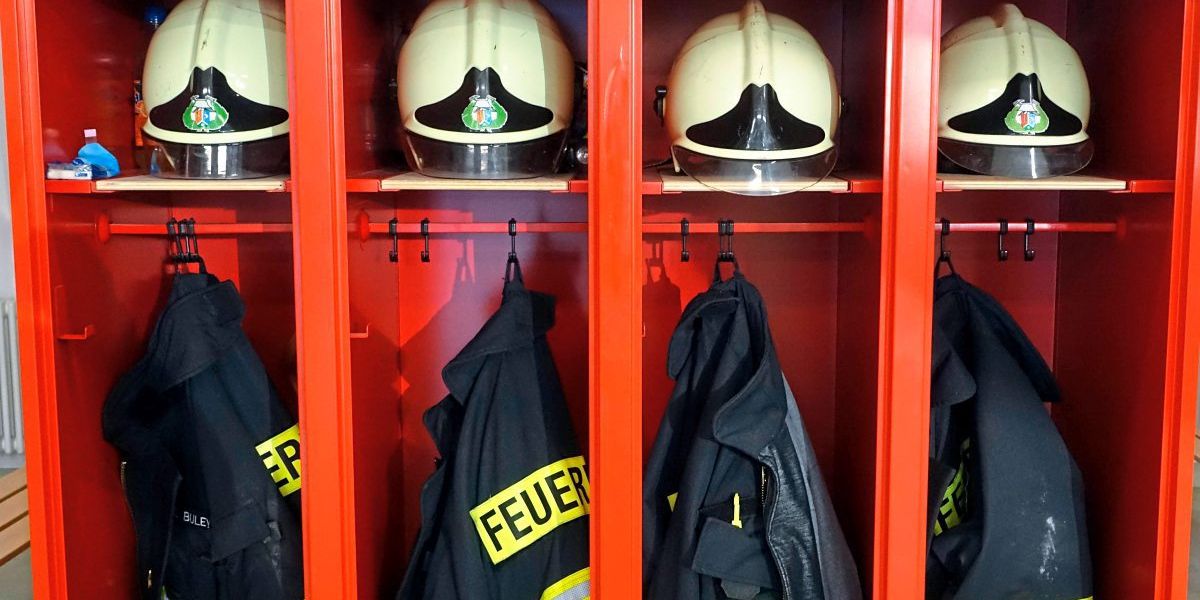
[149, 476]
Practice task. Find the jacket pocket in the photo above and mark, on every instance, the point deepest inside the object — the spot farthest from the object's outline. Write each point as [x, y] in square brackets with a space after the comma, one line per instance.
[737, 558]
[246, 555]
[189, 573]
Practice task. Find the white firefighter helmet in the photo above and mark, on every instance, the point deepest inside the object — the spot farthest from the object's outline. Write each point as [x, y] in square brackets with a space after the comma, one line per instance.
[216, 88]
[752, 104]
[486, 90]
[1014, 98]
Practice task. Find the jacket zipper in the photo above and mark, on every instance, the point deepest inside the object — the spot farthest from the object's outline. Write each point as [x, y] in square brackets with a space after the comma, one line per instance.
[136, 541]
[762, 491]
[768, 510]
[167, 545]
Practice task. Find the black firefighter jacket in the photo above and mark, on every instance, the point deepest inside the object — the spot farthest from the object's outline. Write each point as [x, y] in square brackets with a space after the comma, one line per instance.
[1006, 514]
[504, 515]
[210, 457]
[734, 505]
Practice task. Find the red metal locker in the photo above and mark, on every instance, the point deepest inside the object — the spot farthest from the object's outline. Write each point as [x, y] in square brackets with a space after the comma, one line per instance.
[1110, 298]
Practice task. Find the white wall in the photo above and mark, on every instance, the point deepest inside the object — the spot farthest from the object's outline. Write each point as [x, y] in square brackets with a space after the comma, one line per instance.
[7, 279]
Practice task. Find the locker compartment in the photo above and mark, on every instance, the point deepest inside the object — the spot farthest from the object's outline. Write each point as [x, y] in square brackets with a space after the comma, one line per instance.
[1133, 67]
[372, 33]
[1095, 304]
[86, 72]
[110, 277]
[410, 318]
[820, 286]
[852, 34]
[821, 292]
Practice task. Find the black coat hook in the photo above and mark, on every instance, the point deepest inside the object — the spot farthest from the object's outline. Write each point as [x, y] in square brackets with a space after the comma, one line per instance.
[193, 243]
[725, 233]
[943, 250]
[943, 253]
[174, 239]
[512, 237]
[1030, 253]
[181, 235]
[684, 231]
[660, 103]
[425, 235]
[1002, 253]
[393, 231]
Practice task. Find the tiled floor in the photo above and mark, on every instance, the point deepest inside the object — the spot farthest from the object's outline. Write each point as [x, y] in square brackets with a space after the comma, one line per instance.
[15, 575]
[15, 579]
[1194, 565]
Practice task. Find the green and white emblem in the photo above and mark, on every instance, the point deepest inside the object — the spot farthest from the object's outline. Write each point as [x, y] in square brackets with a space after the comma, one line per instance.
[484, 113]
[1027, 118]
[205, 114]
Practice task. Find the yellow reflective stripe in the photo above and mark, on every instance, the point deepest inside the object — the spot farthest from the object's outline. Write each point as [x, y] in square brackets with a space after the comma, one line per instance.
[671, 500]
[954, 500]
[737, 511]
[576, 586]
[281, 456]
[526, 511]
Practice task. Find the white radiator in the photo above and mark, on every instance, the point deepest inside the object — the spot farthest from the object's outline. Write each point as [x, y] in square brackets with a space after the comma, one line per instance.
[12, 436]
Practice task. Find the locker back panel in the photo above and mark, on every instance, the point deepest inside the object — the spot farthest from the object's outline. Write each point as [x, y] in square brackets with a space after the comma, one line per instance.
[436, 308]
[1112, 326]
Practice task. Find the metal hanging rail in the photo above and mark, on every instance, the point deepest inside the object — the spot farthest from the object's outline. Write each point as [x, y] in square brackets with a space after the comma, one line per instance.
[1017, 227]
[203, 229]
[106, 229]
[749, 227]
[482, 227]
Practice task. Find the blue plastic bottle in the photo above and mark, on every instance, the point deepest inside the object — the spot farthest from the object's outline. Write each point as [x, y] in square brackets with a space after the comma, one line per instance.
[104, 164]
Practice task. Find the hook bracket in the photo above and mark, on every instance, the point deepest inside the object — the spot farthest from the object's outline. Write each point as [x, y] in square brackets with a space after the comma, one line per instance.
[512, 238]
[181, 235]
[1002, 252]
[1030, 253]
[660, 103]
[684, 231]
[394, 232]
[425, 236]
[725, 232]
[943, 250]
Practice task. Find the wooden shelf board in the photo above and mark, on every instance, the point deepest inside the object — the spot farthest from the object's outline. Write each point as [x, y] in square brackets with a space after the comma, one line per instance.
[673, 183]
[954, 182]
[148, 183]
[560, 183]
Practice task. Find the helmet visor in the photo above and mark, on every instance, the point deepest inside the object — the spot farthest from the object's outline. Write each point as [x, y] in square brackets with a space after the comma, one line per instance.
[245, 160]
[1019, 162]
[515, 160]
[748, 177]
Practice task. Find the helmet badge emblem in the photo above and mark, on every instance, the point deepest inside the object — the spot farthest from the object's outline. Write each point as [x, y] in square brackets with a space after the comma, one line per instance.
[1027, 118]
[484, 113]
[205, 114]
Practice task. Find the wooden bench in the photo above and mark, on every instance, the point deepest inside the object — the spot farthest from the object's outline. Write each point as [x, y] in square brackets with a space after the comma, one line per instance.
[14, 515]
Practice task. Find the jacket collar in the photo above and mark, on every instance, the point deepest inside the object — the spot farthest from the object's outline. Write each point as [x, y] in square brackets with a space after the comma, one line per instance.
[959, 306]
[755, 414]
[202, 320]
[523, 317]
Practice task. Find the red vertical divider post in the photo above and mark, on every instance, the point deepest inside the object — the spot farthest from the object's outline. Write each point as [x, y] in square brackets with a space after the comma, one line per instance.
[1183, 337]
[615, 290]
[322, 319]
[909, 204]
[18, 32]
